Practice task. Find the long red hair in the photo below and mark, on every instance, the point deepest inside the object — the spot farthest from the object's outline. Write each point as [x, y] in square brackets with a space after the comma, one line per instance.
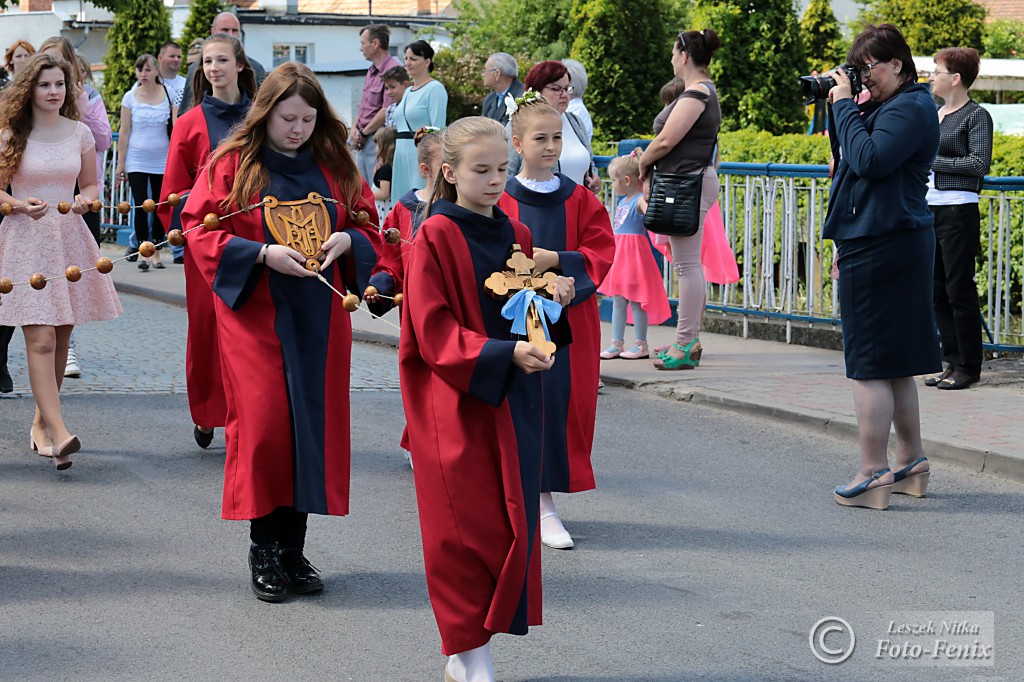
[328, 141]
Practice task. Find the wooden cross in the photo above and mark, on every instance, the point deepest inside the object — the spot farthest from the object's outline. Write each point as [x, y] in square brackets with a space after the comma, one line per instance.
[520, 277]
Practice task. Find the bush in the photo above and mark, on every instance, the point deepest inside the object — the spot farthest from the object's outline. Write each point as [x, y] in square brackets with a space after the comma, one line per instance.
[758, 65]
[758, 146]
[1004, 39]
[139, 27]
[623, 81]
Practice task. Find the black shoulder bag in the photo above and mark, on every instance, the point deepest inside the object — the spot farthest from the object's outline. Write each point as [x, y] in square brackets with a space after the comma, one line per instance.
[674, 206]
[170, 112]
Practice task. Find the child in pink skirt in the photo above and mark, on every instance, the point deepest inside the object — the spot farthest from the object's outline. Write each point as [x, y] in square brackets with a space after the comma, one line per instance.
[634, 279]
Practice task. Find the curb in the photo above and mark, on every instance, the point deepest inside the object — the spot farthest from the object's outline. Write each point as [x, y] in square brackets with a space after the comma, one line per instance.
[979, 461]
[973, 459]
[177, 300]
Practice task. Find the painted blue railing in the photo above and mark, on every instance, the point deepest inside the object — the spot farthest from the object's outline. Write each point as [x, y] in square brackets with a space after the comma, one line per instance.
[773, 215]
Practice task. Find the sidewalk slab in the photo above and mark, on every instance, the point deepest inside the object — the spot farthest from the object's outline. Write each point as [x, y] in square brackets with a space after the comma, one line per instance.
[979, 428]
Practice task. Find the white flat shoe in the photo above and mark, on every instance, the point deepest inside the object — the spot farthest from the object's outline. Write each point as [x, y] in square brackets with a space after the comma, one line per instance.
[556, 538]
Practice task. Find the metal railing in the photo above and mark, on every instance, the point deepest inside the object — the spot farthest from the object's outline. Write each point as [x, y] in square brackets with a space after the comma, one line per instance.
[110, 220]
[773, 216]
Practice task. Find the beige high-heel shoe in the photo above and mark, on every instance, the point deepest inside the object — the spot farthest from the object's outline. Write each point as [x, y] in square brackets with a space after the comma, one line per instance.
[43, 450]
[62, 453]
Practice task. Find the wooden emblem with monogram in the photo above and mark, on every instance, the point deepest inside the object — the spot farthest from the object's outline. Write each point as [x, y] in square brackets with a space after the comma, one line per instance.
[303, 225]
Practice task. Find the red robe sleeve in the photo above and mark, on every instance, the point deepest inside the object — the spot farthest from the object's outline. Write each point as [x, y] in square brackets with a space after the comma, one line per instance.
[590, 261]
[389, 275]
[359, 262]
[188, 151]
[226, 259]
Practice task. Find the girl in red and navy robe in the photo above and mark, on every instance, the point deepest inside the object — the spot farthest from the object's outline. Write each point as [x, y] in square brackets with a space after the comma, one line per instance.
[406, 216]
[285, 338]
[474, 405]
[224, 102]
[572, 233]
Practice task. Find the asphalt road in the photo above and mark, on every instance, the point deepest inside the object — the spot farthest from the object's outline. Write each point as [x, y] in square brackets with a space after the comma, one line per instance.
[709, 550]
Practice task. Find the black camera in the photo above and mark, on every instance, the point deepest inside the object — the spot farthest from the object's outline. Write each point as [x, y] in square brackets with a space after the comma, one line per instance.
[817, 87]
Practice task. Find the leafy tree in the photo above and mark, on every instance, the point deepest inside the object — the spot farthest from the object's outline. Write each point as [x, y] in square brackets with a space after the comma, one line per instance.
[930, 25]
[1004, 39]
[822, 37]
[532, 29]
[200, 18]
[759, 64]
[623, 80]
[139, 27]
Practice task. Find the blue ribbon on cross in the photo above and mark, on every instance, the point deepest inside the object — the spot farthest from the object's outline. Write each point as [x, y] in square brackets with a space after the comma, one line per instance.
[518, 306]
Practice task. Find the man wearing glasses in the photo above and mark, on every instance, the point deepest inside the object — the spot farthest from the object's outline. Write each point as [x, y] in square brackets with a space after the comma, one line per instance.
[501, 75]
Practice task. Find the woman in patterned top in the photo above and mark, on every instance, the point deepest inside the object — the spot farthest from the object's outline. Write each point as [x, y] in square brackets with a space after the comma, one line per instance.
[964, 157]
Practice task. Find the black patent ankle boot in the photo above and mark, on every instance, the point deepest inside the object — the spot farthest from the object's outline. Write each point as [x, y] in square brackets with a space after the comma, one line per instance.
[268, 581]
[302, 576]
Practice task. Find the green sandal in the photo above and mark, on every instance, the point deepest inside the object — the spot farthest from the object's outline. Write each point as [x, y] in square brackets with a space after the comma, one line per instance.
[691, 357]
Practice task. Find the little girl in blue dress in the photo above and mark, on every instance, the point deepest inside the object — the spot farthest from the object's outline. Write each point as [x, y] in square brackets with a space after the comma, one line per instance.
[634, 279]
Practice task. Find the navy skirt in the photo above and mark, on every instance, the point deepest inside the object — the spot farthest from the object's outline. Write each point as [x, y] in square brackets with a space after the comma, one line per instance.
[885, 299]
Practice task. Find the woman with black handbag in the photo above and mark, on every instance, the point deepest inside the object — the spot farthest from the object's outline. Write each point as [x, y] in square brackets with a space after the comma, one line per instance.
[684, 184]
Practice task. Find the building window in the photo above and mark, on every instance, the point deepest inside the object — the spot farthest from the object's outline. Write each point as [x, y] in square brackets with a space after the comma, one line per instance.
[290, 53]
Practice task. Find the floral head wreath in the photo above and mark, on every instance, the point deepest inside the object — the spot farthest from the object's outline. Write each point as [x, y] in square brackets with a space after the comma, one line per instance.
[512, 104]
[423, 132]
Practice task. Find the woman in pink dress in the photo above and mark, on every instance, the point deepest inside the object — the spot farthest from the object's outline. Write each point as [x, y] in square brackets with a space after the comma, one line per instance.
[44, 150]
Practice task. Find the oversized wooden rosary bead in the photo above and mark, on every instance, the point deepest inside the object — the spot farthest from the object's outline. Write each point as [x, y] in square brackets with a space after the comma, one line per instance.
[173, 199]
[175, 237]
[146, 249]
[211, 221]
[148, 205]
[124, 208]
[38, 281]
[6, 285]
[399, 298]
[392, 236]
[96, 206]
[361, 218]
[350, 302]
[104, 265]
[64, 208]
[7, 208]
[73, 273]
[370, 292]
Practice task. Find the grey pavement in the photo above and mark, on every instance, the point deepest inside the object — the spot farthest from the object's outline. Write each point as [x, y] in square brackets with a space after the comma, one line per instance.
[979, 428]
[709, 549]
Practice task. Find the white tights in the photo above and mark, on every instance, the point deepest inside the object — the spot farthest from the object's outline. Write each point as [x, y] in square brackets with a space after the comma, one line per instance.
[473, 665]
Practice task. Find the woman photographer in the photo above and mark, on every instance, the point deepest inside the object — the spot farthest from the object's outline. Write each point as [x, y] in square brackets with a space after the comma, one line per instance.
[879, 219]
[964, 157]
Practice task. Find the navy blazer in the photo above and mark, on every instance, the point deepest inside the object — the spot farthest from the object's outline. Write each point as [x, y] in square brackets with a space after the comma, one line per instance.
[494, 103]
[882, 178]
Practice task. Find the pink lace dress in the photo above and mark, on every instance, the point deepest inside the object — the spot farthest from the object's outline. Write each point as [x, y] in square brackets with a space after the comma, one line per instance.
[49, 245]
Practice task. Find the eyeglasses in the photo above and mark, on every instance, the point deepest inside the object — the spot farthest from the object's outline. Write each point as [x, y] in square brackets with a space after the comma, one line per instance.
[936, 73]
[487, 71]
[558, 89]
[682, 41]
[865, 71]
